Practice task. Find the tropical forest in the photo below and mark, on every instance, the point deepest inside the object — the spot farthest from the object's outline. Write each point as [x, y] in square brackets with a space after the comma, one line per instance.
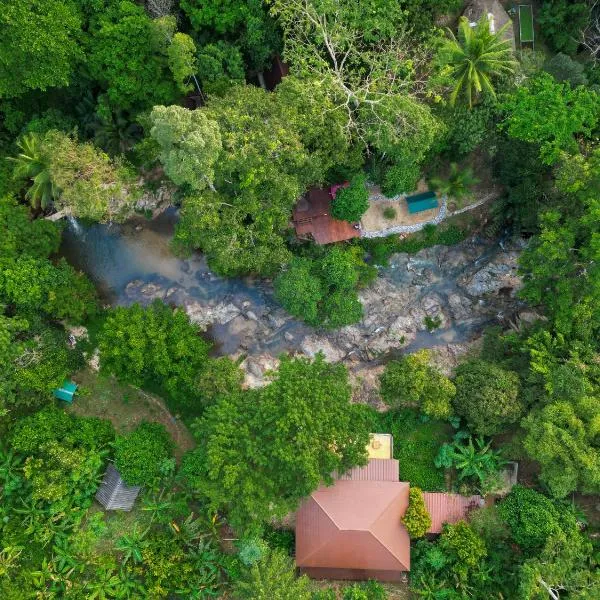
[299, 299]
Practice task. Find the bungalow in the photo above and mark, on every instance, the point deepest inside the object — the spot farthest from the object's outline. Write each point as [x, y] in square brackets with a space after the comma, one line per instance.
[312, 218]
[353, 529]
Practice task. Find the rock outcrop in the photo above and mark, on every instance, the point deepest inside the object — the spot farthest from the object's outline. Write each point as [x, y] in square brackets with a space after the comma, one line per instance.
[441, 297]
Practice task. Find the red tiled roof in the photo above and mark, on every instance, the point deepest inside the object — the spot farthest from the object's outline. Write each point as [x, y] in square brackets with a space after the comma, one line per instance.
[354, 526]
[448, 508]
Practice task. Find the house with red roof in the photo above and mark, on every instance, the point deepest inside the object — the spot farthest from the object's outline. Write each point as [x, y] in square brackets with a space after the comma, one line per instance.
[353, 529]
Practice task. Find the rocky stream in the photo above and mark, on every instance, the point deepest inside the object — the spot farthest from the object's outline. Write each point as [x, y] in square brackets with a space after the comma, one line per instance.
[463, 289]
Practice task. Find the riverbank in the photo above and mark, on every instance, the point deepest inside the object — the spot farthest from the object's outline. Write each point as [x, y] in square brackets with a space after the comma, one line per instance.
[441, 297]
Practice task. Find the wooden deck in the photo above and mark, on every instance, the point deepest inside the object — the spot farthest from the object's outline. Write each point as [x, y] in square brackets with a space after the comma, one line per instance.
[312, 219]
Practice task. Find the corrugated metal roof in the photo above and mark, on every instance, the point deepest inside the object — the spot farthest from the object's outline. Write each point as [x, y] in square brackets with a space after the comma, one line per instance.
[377, 469]
[114, 493]
[448, 508]
[354, 524]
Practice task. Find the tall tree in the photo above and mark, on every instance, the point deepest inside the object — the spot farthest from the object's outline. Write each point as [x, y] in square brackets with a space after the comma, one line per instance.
[39, 45]
[190, 144]
[263, 450]
[551, 114]
[138, 61]
[74, 176]
[562, 437]
[363, 55]
[474, 58]
[260, 172]
[487, 396]
[561, 264]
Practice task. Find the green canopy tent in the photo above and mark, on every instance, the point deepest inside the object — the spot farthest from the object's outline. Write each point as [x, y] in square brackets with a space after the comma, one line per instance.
[66, 391]
[420, 202]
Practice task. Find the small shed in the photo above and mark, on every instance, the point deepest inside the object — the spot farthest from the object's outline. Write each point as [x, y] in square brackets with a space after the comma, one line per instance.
[420, 202]
[496, 15]
[114, 493]
[66, 391]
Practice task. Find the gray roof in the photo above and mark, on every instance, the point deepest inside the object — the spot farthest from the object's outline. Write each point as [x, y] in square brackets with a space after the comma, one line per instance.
[114, 493]
[477, 8]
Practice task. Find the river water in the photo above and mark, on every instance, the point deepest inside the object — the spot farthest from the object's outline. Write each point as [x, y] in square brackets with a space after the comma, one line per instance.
[114, 255]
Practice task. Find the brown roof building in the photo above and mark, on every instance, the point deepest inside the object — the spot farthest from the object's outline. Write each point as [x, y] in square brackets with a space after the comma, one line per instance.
[312, 219]
[448, 508]
[353, 529]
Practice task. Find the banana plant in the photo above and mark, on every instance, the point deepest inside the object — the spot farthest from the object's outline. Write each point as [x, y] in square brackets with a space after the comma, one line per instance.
[131, 546]
[474, 459]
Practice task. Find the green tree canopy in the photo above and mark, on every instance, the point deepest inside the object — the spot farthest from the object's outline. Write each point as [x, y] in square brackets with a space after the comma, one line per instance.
[487, 396]
[190, 144]
[416, 519]
[139, 61]
[352, 202]
[73, 176]
[563, 438]
[273, 577]
[560, 266]
[351, 48]
[531, 517]
[323, 291]
[39, 45]
[411, 382]
[562, 22]
[551, 114]
[474, 59]
[140, 455]
[263, 450]
[260, 172]
[154, 345]
[32, 284]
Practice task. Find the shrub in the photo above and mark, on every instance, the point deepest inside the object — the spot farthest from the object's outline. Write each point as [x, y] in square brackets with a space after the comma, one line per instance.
[368, 590]
[416, 444]
[272, 577]
[352, 202]
[140, 456]
[530, 516]
[389, 213]
[401, 178]
[474, 461]
[487, 396]
[416, 519]
[282, 539]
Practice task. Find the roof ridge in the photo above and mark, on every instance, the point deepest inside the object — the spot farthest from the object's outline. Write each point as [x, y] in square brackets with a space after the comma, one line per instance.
[388, 550]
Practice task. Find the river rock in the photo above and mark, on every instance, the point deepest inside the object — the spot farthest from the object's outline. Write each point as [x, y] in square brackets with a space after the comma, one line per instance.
[152, 291]
[365, 385]
[94, 360]
[255, 369]
[155, 200]
[313, 344]
[499, 274]
[460, 306]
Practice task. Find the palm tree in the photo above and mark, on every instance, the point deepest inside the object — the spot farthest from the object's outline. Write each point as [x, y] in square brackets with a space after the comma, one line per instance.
[32, 163]
[475, 58]
[458, 183]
